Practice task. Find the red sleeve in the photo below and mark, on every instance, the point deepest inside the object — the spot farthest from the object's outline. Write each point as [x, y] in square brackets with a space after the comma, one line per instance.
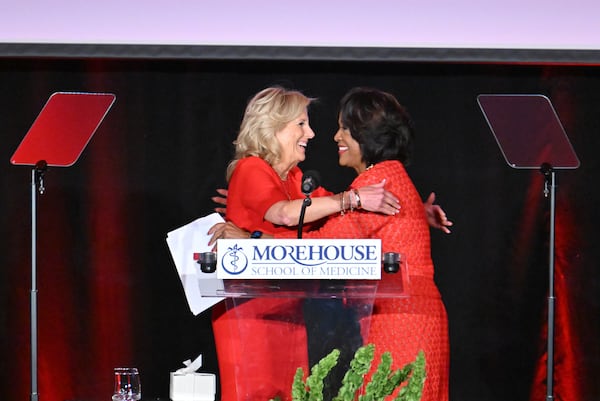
[254, 187]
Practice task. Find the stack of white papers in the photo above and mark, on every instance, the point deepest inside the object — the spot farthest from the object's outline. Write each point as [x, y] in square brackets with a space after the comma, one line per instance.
[183, 243]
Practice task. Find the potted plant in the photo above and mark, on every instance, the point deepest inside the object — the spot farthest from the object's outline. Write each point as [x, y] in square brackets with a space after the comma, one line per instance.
[383, 381]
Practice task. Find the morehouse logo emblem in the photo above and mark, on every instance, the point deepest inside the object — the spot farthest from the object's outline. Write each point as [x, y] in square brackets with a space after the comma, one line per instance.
[234, 260]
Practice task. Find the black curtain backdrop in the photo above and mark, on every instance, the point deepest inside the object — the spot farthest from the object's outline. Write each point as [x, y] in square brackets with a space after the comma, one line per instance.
[109, 293]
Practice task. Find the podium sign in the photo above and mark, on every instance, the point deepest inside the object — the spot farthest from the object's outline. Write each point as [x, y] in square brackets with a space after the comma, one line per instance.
[335, 259]
[301, 268]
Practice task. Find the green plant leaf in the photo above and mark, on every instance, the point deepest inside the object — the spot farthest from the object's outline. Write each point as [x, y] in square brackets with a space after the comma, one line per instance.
[318, 373]
[396, 379]
[414, 388]
[299, 391]
[359, 367]
[375, 389]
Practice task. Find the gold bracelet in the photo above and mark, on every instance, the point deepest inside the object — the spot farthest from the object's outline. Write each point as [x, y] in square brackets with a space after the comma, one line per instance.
[342, 203]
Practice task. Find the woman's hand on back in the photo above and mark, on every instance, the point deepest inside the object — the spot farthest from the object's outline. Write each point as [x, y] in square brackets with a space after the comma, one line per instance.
[375, 198]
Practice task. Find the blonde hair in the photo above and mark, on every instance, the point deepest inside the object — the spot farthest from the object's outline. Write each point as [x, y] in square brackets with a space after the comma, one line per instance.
[267, 113]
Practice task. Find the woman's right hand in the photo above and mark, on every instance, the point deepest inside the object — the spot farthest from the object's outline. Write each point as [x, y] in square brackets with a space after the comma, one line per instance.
[375, 198]
[226, 230]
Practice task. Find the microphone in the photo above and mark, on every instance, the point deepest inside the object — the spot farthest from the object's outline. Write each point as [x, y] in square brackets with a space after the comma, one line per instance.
[310, 181]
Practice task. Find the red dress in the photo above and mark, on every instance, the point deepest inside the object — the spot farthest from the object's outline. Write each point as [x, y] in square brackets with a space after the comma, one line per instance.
[260, 342]
[402, 326]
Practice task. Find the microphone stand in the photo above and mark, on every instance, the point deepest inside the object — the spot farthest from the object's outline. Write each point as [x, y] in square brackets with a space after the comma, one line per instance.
[37, 185]
[550, 189]
[307, 202]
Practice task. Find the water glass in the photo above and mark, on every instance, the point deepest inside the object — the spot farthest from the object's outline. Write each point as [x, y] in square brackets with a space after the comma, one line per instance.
[127, 385]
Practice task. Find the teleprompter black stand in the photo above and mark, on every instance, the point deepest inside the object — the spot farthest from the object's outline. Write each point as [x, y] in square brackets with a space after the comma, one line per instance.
[57, 138]
[530, 136]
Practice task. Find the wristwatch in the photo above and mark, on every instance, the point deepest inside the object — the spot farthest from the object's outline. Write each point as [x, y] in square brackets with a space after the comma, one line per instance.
[256, 234]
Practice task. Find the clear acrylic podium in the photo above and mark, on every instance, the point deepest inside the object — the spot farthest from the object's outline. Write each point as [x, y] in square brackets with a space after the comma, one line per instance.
[280, 325]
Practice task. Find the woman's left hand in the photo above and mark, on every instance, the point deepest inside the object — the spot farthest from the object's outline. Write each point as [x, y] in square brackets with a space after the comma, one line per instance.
[221, 201]
[436, 217]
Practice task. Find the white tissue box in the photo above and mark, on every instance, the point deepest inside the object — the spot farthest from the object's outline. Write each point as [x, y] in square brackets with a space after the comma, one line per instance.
[192, 386]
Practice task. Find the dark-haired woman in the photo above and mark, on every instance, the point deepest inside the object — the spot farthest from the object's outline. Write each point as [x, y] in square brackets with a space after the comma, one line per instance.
[374, 138]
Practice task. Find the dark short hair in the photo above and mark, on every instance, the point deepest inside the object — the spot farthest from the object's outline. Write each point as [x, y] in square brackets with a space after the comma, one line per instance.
[379, 123]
